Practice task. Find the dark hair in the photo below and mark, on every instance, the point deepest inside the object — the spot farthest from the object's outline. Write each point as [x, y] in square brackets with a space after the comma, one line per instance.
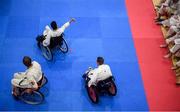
[27, 61]
[54, 25]
[100, 60]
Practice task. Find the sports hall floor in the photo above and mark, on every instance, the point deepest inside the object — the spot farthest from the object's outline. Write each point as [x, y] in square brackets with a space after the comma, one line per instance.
[122, 31]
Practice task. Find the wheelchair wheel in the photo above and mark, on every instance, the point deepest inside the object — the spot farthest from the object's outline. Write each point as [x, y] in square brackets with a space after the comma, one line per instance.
[112, 90]
[46, 52]
[92, 93]
[34, 98]
[63, 47]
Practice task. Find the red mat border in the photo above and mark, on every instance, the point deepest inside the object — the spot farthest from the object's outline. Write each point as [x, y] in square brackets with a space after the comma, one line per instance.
[158, 79]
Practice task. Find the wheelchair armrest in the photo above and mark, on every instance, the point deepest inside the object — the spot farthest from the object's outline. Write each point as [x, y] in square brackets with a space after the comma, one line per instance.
[111, 78]
[88, 79]
[84, 76]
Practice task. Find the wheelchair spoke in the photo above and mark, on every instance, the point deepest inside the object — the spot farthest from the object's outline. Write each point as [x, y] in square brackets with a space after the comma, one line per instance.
[63, 47]
[46, 52]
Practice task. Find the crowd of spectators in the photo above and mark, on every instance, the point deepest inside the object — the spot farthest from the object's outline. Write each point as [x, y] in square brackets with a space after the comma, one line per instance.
[168, 16]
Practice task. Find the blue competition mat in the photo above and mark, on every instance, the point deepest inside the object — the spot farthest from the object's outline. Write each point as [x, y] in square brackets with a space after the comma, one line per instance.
[101, 29]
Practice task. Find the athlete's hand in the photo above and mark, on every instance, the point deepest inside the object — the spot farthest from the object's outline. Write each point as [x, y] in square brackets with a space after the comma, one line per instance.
[72, 20]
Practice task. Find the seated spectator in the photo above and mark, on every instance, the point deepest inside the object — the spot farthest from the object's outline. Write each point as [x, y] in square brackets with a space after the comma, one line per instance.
[172, 21]
[160, 3]
[173, 30]
[171, 39]
[173, 24]
[168, 8]
[174, 49]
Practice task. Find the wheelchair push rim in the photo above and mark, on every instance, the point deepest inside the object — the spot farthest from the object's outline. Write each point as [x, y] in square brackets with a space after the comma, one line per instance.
[63, 47]
[46, 52]
[34, 98]
[93, 94]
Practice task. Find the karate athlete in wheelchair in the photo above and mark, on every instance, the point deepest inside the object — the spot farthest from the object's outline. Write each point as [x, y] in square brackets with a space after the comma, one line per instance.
[53, 38]
[25, 85]
[99, 80]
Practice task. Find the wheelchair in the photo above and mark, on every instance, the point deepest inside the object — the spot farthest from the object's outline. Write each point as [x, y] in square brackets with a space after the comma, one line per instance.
[35, 96]
[57, 42]
[105, 86]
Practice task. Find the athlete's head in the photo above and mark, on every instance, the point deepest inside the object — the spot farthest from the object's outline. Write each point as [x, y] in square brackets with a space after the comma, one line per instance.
[100, 60]
[27, 61]
[54, 25]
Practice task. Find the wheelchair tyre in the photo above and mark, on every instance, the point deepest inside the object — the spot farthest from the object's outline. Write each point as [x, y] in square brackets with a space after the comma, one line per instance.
[63, 47]
[46, 52]
[38, 44]
[34, 98]
[112, 90]
[92, 93]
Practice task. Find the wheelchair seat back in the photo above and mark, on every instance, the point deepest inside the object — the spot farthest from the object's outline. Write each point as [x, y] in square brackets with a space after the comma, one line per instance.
[39, 83]
[105, 83]
[55, 41]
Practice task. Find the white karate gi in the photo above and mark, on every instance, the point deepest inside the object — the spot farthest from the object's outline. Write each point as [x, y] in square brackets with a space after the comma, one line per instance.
[33, 73]
[98, 74]
[171, 39]
[164, 6]
[176, 47]
[168, 6]
[172, 21]
[178, 63]
[48, 33]
[174, 29]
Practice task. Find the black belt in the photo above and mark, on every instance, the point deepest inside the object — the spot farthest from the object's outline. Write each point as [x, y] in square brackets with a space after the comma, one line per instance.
[22, 80]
